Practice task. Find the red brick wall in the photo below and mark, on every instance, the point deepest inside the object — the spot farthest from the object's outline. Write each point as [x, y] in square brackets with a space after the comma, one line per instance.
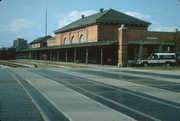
[92, 33]
[110, 32]
[89, 33]
[142, 35]
[107, 32]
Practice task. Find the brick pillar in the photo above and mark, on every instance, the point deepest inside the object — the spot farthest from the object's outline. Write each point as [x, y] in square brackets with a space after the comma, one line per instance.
[122, 55]
[122, 49]
[177, 37]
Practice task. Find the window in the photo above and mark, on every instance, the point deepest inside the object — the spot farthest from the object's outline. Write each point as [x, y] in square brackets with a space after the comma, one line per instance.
[167, 56]
[66, 41]
[154, 57]
[82, 39]
[73, 40]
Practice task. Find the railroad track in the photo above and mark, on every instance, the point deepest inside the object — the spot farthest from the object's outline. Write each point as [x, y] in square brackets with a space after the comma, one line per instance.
[11, 64]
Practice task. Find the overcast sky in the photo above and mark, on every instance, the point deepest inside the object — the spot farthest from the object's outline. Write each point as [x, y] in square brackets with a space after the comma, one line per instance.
[26, 18]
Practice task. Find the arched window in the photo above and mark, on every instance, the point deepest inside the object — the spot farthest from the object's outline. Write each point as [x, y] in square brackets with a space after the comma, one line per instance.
[66, 41]
[73, 40]
[82, 39]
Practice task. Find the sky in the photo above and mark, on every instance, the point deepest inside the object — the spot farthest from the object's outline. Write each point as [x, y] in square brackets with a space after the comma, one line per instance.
[26, 18]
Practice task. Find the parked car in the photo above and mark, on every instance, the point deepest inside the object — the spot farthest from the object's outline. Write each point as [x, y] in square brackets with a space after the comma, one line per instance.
[156, 59]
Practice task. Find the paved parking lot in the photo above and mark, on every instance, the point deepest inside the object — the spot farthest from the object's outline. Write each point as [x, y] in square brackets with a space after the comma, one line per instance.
[88, 94]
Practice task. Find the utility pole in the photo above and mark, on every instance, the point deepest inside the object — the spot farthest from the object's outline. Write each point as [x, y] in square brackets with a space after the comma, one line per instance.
[46, 23]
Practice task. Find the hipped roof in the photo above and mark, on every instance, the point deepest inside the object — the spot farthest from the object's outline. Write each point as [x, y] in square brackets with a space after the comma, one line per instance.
[110, 16]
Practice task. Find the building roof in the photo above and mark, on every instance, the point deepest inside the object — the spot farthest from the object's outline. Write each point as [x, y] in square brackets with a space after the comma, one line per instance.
[20, 39]
[107, 16]
[52, 39]
[86, 44]
[41, 39]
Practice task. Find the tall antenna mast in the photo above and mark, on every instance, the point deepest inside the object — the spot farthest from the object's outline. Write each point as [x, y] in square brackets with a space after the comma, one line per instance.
[46, 22]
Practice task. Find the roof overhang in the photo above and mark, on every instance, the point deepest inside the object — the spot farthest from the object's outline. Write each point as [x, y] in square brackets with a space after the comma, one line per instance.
[87, 44]
[149, 42]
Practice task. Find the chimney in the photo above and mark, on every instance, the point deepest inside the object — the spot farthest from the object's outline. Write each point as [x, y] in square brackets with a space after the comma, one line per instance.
[175, 30]
[122, 27]
[82, 16]
[101, 10]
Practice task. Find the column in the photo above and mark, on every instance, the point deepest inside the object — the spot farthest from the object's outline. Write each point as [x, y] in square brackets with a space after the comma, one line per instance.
[44, 55]
[75, 55]
[160, 49]
[66, 59]
[51, 54]
[57, 55]
[102, 56]
[33, 55]
[36, 55]
[40, 55]
[140, 51]
[87, 53]
[30, 55]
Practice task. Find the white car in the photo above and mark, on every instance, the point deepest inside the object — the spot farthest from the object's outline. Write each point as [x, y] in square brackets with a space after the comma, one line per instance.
[158, 59]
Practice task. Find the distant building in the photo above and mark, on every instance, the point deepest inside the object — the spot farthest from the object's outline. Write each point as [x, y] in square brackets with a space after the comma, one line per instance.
[39, 42]
[20, 44]
[7, 53]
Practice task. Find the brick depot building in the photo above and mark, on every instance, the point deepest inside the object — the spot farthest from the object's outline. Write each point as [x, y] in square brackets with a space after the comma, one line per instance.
[107, 37]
